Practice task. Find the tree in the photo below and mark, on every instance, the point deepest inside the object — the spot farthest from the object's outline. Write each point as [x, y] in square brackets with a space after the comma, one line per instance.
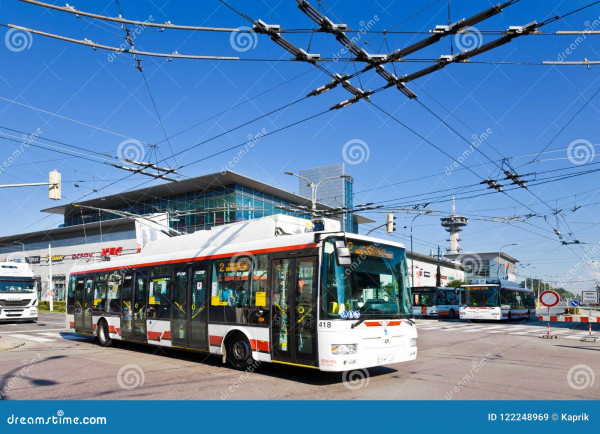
[457, 283]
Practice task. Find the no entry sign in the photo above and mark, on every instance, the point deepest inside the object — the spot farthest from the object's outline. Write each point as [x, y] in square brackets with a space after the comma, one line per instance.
[549, 298]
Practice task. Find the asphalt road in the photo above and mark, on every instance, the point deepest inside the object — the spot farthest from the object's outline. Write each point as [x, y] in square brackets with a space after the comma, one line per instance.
[484, 360]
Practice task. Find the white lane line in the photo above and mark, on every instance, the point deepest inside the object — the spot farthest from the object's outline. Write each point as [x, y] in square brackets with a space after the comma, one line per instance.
[577, 336]
[31, 338]
[473, 330]
[525, 332]
[37, 331]
[499, 327]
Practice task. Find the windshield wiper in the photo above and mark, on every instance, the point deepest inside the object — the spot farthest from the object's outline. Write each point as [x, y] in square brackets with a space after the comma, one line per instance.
[360, 321]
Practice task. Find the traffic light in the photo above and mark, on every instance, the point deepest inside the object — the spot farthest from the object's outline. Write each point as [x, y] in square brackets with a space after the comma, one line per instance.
[391, 224]
[54, 189]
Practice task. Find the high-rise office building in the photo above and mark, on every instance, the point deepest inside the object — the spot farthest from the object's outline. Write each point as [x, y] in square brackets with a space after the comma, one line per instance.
[334, 192]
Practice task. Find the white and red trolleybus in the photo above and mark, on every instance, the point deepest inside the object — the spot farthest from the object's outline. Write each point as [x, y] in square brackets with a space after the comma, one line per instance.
[436, 302]
[270, 290]
[496, 299]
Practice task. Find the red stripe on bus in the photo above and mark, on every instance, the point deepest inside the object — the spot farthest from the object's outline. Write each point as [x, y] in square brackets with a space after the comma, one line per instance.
[215, 341]
[167, 335]
[372, 323]
[154, 336]
[395, 323]
[93, 326]
[203, 258]
[111, 329]
[118, 331]
[258, 345]
[72, 324]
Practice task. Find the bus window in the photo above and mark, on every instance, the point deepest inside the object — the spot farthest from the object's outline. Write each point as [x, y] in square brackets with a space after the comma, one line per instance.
[230, 299]
[113, 294]
[100, 293]
[159, 293]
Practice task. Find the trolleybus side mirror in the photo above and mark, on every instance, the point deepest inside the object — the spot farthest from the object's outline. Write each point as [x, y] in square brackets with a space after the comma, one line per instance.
[343, 255]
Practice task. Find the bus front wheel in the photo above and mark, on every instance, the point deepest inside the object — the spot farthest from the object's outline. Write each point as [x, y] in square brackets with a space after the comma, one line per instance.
[238, 351]
[103, 336]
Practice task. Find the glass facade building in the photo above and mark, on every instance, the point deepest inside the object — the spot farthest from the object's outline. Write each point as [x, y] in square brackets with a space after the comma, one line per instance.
[199, 210]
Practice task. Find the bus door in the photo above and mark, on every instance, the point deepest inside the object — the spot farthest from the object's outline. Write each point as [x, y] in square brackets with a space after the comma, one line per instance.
[84, 303]
[140, 298]
[294, 311]
[189, 320]
[79, 296]
[127, 306]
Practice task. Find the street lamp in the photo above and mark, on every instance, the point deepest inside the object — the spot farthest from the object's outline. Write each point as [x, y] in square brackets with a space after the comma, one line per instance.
[315, 186]
[499, 251]
[412, 253]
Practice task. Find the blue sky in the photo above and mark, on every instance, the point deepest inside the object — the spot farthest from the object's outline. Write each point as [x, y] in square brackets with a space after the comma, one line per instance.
[97, 101]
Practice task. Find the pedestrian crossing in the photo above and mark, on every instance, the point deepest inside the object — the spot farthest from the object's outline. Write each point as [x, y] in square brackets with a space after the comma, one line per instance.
[512, 329]
[49, 337]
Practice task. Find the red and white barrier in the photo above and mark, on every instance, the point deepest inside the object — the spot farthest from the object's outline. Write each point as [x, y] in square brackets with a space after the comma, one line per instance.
[575, 318]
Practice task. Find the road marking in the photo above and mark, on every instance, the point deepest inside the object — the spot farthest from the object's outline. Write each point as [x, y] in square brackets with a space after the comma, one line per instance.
[31, 338]
[526, 331]
[473, 330]
[577, 336]
[37, 331]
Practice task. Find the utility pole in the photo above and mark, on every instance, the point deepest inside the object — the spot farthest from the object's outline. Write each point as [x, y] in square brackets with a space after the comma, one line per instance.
[50, 282]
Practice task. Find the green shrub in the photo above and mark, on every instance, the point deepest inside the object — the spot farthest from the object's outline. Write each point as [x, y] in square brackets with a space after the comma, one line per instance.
[58, 306]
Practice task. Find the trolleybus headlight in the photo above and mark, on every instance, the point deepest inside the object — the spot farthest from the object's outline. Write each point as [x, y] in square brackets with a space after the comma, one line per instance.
[344, 349]
[413, 342]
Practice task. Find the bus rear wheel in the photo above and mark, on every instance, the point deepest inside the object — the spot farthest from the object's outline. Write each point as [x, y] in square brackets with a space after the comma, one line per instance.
[103, 336]
[509, 316]
[452, 314]
[238, 351]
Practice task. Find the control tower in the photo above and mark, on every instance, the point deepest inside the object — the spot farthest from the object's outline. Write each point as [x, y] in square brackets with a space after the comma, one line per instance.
[454, 224]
